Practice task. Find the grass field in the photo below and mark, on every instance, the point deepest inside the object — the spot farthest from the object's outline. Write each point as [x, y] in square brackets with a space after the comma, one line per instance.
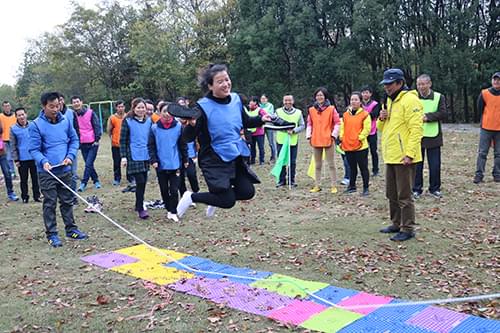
[320, 237]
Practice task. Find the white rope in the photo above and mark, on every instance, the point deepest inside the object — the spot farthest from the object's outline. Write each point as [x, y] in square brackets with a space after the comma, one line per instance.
[278, 281]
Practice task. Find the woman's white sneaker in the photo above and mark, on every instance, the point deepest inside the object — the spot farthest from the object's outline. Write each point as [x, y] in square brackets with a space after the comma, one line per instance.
[210, 211]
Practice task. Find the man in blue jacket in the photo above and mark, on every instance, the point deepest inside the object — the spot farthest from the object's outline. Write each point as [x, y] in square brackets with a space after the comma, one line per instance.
[53, 146]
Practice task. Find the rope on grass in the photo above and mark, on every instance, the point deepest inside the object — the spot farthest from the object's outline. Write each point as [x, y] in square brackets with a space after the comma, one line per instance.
[279, 281]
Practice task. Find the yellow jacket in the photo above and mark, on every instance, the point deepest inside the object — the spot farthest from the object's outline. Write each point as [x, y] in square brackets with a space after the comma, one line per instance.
[402, 130]
[363, 130]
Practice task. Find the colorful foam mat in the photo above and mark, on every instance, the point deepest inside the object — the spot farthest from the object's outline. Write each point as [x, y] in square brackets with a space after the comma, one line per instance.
[287, 299]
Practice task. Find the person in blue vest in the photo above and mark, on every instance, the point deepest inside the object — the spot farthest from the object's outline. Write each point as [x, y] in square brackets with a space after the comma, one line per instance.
[19, 141]
[70, 115]
[222, 149]
[168, 154]
[53, 146]
[434, 113]
[134, 136]
[373, 108]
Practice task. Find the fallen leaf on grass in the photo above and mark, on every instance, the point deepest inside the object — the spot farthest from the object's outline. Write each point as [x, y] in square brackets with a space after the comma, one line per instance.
[102, 299]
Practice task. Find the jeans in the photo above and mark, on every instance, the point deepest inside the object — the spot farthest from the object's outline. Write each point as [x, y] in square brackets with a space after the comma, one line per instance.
[372, 142]
[272, 142]
[7, 175]
[74, 173]
[347, 169]
[24, 168]
[52, 190]
[89, 153]
[293, 164]
[12, 168]
[485, 139]
[358, 159]
[434, 162]
[190, 172]
[169, 185]
[259, 140]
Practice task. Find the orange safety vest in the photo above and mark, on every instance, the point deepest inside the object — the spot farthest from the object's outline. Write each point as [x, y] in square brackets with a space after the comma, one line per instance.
[491, 112]
[353, 125]
[7, 122]
[116, 122]
[322, 126]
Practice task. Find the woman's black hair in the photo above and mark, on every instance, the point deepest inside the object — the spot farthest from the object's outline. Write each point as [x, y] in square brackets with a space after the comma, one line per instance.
[206, 76]
[254, 99]
[323, 90]
[357, 93]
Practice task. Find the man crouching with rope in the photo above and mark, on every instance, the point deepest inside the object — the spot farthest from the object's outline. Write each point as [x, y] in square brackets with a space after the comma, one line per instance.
[53, 146]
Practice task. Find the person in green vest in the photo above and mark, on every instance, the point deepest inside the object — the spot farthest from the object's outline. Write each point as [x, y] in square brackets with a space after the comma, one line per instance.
[255, 110]
[434, 112]
[289, 113]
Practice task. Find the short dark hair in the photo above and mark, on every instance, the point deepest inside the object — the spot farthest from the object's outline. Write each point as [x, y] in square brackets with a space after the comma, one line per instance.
[148, 101]
[19, 109]
[323, 90]
[180, 98]
[75, 97]
[254, 99]
[61, 95]
[366, 88]
[48, 97]
[163, 105]
[119, 102]
[206, 76]
[357, 93]
[5, 102]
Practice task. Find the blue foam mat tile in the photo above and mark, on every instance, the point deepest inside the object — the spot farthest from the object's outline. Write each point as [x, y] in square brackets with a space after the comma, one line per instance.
[477, 325]
[190, 261]
[369, 324]
[397, 314]
[331, 294]
[251, 274]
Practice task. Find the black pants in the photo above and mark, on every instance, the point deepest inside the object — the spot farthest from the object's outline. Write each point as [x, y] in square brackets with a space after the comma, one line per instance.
[117, 171]
[52, 191]
[169, 185]
[434, 162]
[141, 178]
[355, 159]
[372, 142]
[24, 168]
[241, 189]
[190, 172]
[293, 164]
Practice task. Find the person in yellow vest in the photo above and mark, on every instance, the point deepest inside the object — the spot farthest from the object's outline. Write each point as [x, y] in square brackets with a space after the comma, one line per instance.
[488, 103]
[354, 130]
[323, 124]
[400, 125]
[289, 113]
[434, 113]
[7, 120]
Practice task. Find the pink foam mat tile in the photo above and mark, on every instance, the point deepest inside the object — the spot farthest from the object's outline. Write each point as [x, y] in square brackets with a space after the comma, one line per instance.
[364, 299]
[437, 319]
[109, 259]
[297, 312]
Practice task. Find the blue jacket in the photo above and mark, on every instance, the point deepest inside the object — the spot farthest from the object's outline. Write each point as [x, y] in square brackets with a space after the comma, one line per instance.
[52, 142]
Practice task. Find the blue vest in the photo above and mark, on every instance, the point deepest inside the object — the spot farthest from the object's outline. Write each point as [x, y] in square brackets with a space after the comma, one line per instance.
[224, 126]
[70, 115]
[166, 146]
[191, 149]
[139, 134]
[23, 140]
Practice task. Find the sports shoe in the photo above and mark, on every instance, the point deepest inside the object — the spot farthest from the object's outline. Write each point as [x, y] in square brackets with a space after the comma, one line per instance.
[143, 214]
[278, 123]
[315, 189]
[37, 200]
[211, 211]
[402, 236]
[345, 181]
[54, 241]
[82, 187]
[280, 184]
[25, 200]
[350, 190]
[375, 174]
[172, 216]
[389, 230]
[193, 205]
[12, 196]
[477, 179]
[184, 203]
[496, 179]
[97, 185]
[436, 194]
[333, 190]
[416, 195]
[76, 234]
[116, 182]
[365, 192]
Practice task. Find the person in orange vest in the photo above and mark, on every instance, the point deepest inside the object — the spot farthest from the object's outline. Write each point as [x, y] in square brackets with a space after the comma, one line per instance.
[323, 123]
[7, 120]
[434, 112]
[488, 103]
[354, 130]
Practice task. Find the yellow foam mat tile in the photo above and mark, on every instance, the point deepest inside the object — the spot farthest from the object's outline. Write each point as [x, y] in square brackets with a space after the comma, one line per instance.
[152, 272]
[155, 256]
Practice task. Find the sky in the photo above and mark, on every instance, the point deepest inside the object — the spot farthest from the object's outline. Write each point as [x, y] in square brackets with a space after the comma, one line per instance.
[23, 20]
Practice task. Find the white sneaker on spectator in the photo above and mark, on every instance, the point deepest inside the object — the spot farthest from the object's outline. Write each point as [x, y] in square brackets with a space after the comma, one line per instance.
[345, 181]
[172, 216]
[193, 205]
[184, 203]
[210, 211]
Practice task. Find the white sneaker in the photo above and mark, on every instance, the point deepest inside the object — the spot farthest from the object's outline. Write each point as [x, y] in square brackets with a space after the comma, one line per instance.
[193, 205]
[184, 203]
[345, 181]
[172, 216]
[210, 211]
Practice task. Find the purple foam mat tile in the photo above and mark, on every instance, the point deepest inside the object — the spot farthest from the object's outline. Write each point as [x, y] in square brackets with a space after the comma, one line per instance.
[297, 312]
[399, 313]
[437, 319]
[331, 294]
[109, 259]
[477, 325]
[369, 324]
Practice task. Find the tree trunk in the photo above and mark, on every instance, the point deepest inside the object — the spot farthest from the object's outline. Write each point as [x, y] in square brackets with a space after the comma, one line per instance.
[466, 104]
[452, 108]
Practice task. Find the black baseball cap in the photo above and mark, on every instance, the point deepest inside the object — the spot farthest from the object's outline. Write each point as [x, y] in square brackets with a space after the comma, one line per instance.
[497, 74]
[391, 75]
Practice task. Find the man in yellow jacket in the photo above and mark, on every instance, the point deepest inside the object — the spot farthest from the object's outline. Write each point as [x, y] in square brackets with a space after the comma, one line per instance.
[400, 123]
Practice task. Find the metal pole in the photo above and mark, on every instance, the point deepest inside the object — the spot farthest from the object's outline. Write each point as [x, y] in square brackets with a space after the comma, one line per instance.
[289, 161]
